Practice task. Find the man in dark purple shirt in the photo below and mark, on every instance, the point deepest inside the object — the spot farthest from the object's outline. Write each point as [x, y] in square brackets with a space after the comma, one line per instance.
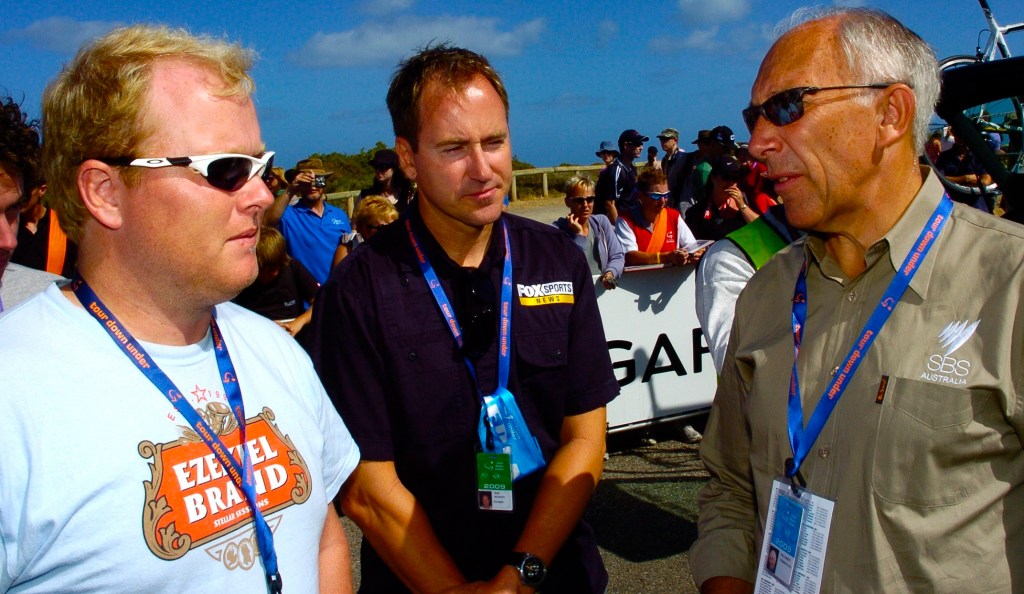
[396, 373]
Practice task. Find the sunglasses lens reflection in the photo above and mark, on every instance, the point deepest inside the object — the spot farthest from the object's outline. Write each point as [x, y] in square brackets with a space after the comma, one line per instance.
[780, 109]
[229, 173]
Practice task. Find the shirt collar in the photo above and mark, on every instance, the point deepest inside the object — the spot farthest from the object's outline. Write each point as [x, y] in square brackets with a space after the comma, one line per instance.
[903, 235]
[898, 241]
[445, 266]
[306, 205]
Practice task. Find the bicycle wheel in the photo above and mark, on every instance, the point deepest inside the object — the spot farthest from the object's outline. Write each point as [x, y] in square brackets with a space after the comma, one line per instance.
[956, 61]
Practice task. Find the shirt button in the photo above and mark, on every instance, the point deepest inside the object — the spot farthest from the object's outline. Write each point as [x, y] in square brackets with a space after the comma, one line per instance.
[824, 452]
[834, 370]
[852, 296]
[558, 354]
[412, 356]
[405, 281]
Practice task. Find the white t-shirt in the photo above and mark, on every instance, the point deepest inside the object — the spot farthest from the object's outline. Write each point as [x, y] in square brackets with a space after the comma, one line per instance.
[103, 487]
[721, 275]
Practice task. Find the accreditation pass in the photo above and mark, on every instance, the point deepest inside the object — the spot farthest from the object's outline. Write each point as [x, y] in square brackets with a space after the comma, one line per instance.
[793, 552]
[494, 482]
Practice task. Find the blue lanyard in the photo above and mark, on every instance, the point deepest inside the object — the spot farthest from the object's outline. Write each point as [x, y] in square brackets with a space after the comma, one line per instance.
[504, 340]
[242, 477]
[801, 439]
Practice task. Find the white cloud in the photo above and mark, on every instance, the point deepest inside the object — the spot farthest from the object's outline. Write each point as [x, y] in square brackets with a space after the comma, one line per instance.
[61, 34]
[385, 7]
[387, 42]
[714, 11]
[607, 32]
[751, 38]
[703, 40]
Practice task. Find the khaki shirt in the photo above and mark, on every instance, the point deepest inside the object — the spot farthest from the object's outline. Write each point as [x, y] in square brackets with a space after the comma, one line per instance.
[926, 467]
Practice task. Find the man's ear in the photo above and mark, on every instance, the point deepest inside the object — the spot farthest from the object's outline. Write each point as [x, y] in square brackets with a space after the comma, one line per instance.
[101, 189]
[405, 160]
[897, 111]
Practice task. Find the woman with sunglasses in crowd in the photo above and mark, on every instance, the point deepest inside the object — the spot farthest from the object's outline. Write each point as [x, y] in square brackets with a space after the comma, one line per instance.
[593, 233]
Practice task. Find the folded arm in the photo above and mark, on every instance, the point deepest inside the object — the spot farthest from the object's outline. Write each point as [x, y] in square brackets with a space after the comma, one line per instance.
[398, 528]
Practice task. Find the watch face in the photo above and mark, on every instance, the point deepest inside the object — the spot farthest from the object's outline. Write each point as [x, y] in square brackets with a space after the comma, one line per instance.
[530, 567]
[533, 570]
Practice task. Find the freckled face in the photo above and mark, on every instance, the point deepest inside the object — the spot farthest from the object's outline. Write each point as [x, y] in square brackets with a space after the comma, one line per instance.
[820, 163]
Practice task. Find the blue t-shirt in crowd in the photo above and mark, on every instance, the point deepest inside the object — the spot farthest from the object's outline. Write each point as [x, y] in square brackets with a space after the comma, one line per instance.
[312, 239]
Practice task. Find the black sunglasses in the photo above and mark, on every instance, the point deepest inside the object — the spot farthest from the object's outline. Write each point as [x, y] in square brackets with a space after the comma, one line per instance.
[580, 200]
[785, 107]
[224, 171]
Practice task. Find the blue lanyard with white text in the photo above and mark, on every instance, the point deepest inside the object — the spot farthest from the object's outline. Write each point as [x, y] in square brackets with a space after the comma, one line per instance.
[242, 477]
[504, 344]
[801, 438]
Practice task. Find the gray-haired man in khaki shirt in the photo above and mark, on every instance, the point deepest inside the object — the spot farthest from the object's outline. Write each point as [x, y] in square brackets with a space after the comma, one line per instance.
[922, 454]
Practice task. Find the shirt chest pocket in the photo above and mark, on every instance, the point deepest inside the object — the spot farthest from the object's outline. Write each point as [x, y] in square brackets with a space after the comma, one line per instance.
[933, 442]
[542, 370]
[433, 400]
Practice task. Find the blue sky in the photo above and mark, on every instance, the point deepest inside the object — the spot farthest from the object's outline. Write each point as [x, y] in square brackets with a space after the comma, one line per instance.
[577, 72]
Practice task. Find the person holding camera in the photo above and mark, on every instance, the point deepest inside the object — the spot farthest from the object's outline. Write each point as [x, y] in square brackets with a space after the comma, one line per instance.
[311, 227]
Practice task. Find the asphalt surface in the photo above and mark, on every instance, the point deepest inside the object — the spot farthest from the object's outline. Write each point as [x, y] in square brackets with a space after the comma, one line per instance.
[644, 511]
[545, 210]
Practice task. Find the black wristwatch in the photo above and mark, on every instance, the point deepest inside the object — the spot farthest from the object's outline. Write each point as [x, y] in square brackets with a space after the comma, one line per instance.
[531, 569]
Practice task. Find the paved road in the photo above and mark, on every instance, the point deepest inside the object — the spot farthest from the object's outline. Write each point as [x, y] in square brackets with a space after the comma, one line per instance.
[544, 210]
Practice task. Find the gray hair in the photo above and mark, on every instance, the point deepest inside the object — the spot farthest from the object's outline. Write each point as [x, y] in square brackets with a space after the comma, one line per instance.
[878, 48]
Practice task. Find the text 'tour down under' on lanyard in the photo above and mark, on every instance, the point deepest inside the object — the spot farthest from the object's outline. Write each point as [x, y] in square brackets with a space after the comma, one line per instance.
[500, 416]
[504, 335]
[242, 475]
[801, 439]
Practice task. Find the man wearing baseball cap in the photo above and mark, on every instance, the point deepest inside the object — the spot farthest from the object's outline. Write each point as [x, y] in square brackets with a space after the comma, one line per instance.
[669, 139]
[676, 164]
[616, 182]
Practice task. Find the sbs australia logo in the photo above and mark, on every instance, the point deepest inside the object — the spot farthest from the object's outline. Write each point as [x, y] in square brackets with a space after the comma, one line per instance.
[942, 366]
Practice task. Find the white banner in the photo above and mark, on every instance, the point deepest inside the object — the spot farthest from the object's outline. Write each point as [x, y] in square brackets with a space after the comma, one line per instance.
[658, 351]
